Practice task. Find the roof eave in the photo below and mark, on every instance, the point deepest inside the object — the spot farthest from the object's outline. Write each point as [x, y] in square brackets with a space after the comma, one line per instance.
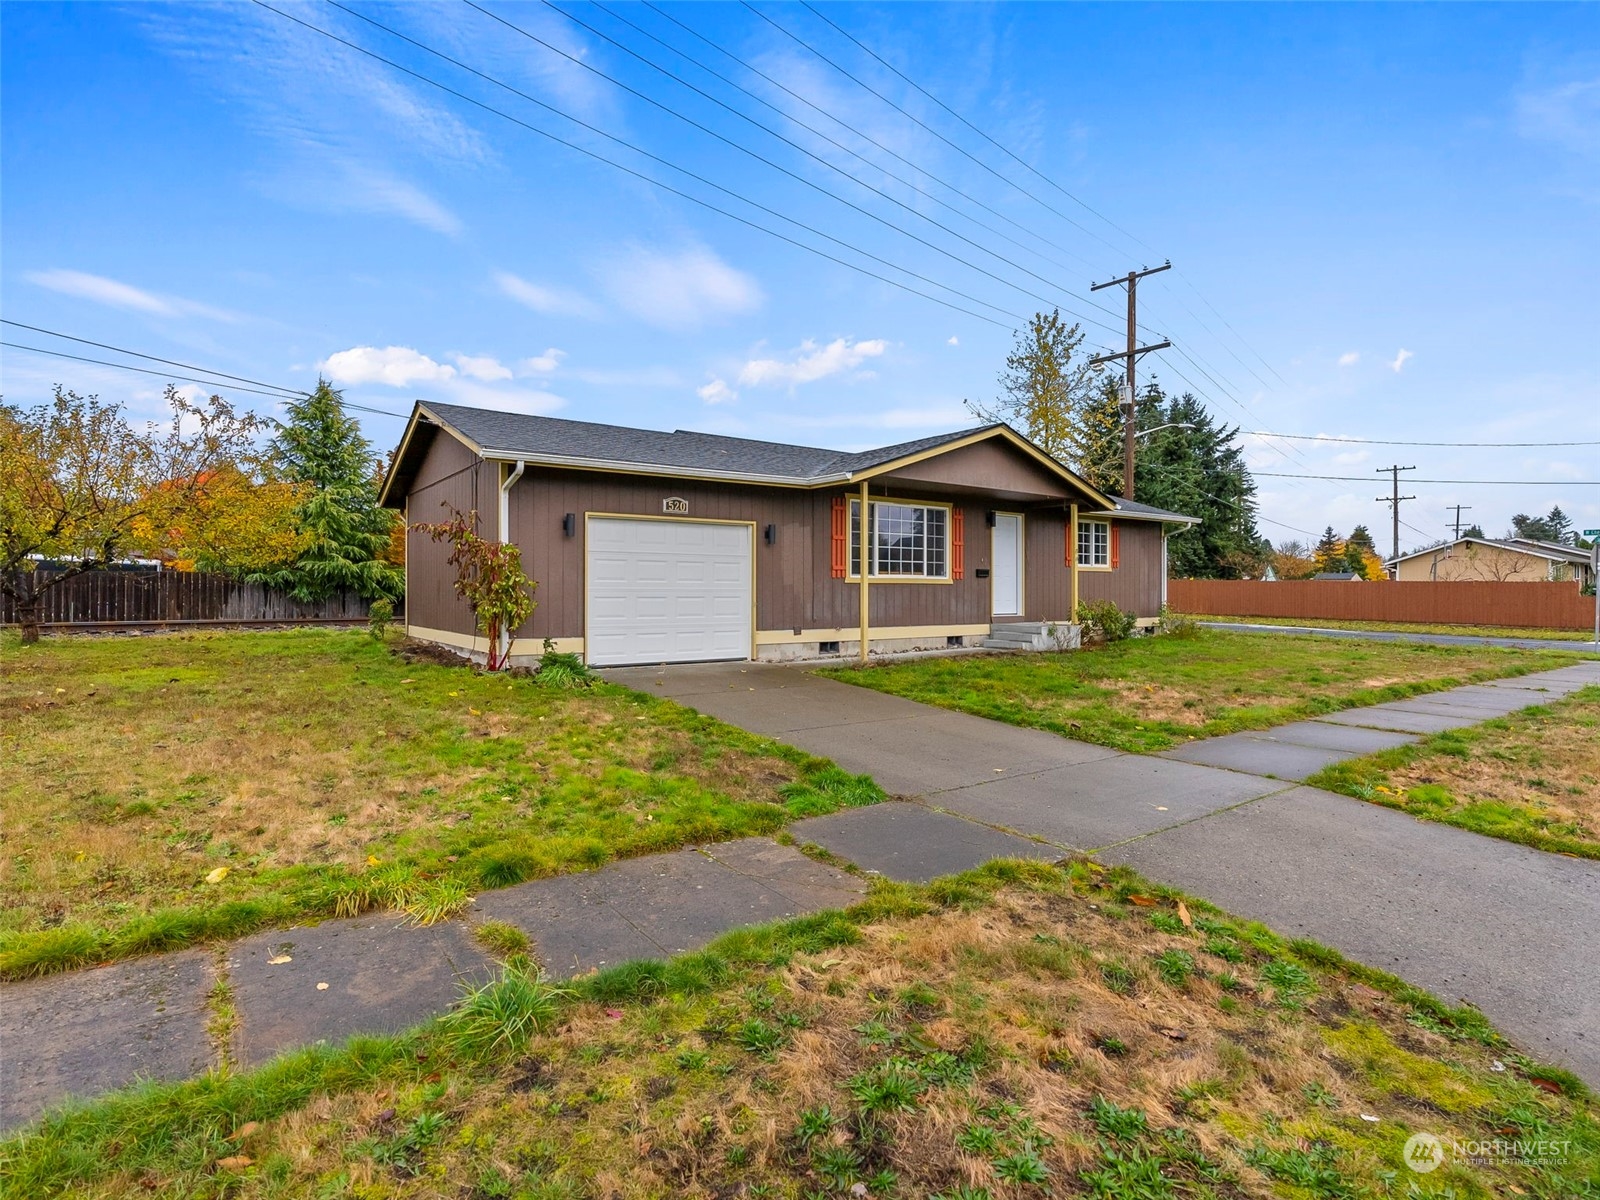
[583, 463]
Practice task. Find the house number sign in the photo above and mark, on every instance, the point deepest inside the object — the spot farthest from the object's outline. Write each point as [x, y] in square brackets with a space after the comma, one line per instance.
[675, 506]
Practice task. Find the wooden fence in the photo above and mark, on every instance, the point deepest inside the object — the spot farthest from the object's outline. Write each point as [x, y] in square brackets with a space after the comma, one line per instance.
[103, 599]
[1526, 605]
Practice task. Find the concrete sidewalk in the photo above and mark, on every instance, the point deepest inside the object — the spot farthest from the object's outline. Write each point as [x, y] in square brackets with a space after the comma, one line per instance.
[1576, 644]
[1515, 931]
[1512, 930]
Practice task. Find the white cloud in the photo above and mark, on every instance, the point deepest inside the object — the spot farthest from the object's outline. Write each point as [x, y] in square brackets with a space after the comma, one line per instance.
[1567, 115]
[542, 364]
[371, 189]
[1350, 358]
[116, 294]
[552, 302]
[717, 392]
[812, 362]
[678, 290]
[1400, 360]
[954, 341]
[395, 366]
[483, 367]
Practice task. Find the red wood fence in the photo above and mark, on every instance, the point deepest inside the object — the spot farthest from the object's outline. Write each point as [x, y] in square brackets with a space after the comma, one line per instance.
[1526, 605]
[154, 598]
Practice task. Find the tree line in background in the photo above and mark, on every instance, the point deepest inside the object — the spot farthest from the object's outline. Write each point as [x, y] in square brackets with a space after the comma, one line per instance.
[81, 488]
[1187, 461]
[1332, 555]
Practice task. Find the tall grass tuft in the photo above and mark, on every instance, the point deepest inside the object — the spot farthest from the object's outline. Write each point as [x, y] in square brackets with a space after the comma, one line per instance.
[502, 1016]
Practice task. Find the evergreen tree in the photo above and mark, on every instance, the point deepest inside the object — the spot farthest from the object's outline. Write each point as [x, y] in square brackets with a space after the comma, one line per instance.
[1560, 526]
[1099, 436]
[1473, 531]
[1361, 554]
[1196, 467]
[346, 534]
[1330, 552]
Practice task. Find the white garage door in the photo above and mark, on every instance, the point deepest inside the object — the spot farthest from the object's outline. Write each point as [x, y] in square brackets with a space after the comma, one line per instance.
[667, 591]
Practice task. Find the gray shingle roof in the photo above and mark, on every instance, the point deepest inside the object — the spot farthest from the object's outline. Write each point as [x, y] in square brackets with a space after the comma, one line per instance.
[1133, 508]
[517, 435]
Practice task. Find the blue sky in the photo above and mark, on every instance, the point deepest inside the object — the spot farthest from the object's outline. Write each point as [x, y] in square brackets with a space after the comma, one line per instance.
[1385, 219]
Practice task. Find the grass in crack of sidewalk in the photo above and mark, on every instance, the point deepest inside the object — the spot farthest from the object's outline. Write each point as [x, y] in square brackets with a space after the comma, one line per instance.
[162, 791]
[1017, 1028]
[1154, 693]
[1531, 777]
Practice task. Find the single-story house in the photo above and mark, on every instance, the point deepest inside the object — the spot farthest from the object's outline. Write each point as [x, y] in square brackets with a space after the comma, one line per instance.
[653, 547]
[1516, 560]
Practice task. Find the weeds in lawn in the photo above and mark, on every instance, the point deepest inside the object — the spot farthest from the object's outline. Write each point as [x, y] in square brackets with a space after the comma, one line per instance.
[190, 788]
[501, 938]
[959, 1092]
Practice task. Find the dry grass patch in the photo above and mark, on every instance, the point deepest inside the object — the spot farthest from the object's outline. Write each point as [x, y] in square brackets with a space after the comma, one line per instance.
[1531, 777]
[1154, 693]
[1017, 1032]
[153, 782]
[1501, 631]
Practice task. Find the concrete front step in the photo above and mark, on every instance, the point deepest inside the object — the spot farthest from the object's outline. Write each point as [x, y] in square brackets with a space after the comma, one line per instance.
[1031, 635]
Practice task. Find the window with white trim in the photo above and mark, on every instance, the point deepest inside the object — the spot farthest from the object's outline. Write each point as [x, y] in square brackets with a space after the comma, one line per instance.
[909, 541]
[1094, 543]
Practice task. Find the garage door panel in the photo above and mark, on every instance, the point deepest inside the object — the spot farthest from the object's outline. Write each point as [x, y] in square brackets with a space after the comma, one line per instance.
[667, 591]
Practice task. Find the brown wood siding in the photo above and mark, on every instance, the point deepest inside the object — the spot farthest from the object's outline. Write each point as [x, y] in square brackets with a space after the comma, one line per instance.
[451, 476]
[1135, 585]
[996, 467]
[1047, 578]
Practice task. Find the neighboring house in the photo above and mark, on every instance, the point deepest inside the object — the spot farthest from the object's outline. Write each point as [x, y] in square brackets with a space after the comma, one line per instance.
[1519, 560]
[1338, 576]
[671, 547]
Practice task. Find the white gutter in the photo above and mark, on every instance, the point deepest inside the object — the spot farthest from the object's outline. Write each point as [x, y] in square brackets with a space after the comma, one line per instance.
[505, 535]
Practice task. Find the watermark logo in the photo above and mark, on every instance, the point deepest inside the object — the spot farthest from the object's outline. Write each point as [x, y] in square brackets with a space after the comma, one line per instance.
[1424, 1152]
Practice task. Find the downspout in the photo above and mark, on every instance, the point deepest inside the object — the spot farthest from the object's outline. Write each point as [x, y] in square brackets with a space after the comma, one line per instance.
[866, 545]
[505, 536]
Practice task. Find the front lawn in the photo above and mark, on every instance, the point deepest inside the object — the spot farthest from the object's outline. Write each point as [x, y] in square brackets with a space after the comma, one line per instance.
[1020, 1031]
[161, 790]
[1502, 631]
[1153, 693]
[1531, 777]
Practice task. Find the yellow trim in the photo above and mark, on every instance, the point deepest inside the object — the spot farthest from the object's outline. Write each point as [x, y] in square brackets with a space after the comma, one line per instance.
[1022, 562]
[1072, 556]
[520, 647]
[1003, 431]
[785, 637]
[862, 576]
[605, 516]
[949, 508]
[1086, 566]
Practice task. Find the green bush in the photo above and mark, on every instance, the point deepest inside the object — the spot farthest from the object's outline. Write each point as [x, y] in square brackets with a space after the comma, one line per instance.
[1103, 621]
[1178, 625]
[379, 617]
[565, 671]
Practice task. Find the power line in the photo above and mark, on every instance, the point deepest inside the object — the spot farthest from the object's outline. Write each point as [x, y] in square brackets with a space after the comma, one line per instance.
[776, 166]
[149, 357]
[1027, 166]
[834, 142]
[843, 124]
[1485, 482]
[280, 393]
[929, 128]
[1317, 437]
[666, 187]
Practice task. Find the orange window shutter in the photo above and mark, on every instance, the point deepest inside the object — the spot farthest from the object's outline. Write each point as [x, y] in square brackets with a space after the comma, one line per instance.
[841, 535]
[1116, 546]
[958, 543]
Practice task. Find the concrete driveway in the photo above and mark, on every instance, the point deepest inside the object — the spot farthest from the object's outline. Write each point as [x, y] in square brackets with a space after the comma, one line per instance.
[1511, 930]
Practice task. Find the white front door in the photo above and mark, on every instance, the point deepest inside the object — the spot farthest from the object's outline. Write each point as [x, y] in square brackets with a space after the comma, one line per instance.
[667, 591]
[1006, 576]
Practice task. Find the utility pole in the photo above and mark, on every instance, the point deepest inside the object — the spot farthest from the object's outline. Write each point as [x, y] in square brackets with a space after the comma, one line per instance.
[1128, 357]
[1393, 501]
[1459, 508]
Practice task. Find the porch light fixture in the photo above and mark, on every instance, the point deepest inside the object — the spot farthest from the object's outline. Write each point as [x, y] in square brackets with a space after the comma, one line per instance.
[989, 518]
[772, 535]
[569, 524]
